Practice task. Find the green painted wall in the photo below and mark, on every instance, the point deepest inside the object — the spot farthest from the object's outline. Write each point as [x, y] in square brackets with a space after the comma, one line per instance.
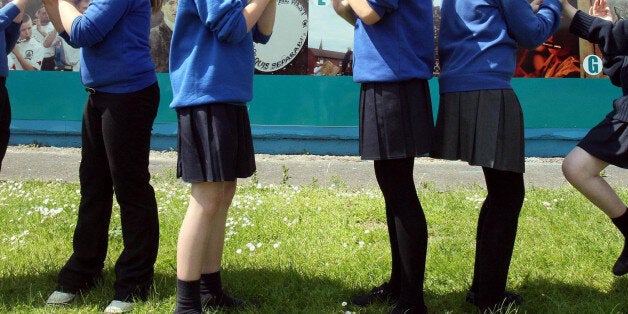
[317, 101]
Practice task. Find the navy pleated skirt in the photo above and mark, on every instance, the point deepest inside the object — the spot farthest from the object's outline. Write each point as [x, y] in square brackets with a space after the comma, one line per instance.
[396, 119]
[214, 143]
[484, 128]
[608, 141]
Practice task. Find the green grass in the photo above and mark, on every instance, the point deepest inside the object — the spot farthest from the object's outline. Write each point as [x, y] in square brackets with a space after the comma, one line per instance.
[315, 246]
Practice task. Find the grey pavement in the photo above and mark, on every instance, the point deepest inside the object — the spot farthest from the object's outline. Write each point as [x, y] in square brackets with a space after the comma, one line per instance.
[51, 163]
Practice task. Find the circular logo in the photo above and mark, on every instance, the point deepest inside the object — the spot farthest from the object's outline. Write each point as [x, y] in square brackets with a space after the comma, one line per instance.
[592, 65]
[289, 36]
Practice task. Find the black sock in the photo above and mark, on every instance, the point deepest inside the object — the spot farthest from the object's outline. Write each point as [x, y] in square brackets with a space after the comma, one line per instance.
[621, 223]
[188, 297]
[211, 283]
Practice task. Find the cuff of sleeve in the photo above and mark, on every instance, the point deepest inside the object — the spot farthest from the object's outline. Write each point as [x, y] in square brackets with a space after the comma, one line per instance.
[380, 10]
[581, 24]
[12, 10]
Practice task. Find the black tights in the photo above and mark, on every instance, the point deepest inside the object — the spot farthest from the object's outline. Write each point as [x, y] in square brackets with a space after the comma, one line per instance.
[496, 232]
[407, 229]
[5, 119]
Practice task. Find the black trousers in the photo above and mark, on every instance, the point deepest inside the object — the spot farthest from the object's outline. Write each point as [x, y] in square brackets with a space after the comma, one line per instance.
[5, 119]
[48, 64]
[116, 135]
[496, 233]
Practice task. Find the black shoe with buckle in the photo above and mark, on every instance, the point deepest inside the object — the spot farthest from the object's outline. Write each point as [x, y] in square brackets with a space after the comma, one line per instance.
[222, 300]
[510, 297]
[381, 294]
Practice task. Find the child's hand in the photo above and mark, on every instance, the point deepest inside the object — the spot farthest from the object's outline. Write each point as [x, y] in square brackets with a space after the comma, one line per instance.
[601, 10]
[535, 4]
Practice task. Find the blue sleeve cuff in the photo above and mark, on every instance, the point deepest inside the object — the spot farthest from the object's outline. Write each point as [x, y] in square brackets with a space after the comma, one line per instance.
[10, 11]
[383, 6]
[258, 37]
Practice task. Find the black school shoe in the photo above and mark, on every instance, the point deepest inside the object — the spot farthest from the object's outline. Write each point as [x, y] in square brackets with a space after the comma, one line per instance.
[621, 266]
[510, 297]
[379, 294]
[399, 309]
[211, 301]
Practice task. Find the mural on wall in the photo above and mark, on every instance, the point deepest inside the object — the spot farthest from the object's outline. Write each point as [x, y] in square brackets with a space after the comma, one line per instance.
[558, 57]
[309, 39]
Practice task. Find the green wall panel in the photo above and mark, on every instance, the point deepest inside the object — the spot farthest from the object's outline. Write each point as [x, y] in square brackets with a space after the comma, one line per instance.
[317, 101]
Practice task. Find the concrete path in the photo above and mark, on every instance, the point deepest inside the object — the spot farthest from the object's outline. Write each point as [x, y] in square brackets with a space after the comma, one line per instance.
[50, 163]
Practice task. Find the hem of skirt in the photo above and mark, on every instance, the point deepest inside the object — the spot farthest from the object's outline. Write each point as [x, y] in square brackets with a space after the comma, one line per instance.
[393, 157]
[200, 180]
[479, 164]
[594, 154]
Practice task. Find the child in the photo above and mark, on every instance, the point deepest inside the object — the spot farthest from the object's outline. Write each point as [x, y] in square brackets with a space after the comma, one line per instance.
[28, 52]
[480, 120]
[117, 123]
[10, 22]
[211, 70]
[607, 142]
[393, 59]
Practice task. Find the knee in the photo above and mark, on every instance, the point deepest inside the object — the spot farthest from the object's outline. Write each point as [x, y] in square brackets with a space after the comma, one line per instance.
[573, 171]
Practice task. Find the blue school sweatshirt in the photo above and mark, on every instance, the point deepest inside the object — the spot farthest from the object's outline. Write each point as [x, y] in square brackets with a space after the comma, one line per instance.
[115, 51]
[400, 46]
[479, 38]
[11, 32]
[211, 53]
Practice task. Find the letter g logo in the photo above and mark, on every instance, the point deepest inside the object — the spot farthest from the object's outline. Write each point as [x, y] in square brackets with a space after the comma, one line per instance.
[592, 65]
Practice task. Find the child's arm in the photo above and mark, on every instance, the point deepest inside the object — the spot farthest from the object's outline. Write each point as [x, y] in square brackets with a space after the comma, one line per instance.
[343, 9]
[611, 38]
[52, 8]
[12, 32]
[266, 21]
[364, 11]
[26, 65]
[253, 12]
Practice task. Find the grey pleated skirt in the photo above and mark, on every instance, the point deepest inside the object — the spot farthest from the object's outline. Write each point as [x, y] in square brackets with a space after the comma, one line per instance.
[396, 119]
[214, 143]
[484, 128]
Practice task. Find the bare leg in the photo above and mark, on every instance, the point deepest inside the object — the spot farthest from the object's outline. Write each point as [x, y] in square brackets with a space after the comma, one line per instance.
[582, 170]
[206, 211]
[213, 254]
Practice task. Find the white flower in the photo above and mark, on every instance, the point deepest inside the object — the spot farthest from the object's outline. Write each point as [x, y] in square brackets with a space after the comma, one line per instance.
[344, 303]
[276, 245]
[239, 251]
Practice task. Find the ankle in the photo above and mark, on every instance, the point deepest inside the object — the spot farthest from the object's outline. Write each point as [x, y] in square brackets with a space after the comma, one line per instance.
[188, 297]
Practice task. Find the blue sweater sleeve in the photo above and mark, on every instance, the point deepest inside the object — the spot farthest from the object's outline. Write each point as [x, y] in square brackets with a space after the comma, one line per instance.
[11, 35]
[224, 18]
[97, 21]
[258, 37]
[66, 37]
[383, 6]
[7, 15]
[529, 29]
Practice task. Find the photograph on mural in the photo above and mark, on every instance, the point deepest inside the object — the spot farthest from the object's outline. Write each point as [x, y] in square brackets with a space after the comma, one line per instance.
[39, 48]
[330, 44]
[285, 52]
[309, 39]
[558, 57]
